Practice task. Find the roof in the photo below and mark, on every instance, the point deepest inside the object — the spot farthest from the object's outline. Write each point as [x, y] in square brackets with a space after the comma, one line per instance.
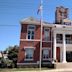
[31, 20]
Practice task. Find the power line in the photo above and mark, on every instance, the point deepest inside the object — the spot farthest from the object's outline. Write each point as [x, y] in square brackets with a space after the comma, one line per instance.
[10, 25]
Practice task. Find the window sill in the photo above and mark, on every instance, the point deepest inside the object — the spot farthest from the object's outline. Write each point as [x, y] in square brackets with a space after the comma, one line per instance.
[28, 59]
[29, 39]
[47, 41]
[46, 59]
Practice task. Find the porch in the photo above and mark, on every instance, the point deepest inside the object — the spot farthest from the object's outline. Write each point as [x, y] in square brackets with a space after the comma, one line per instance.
[62, 42]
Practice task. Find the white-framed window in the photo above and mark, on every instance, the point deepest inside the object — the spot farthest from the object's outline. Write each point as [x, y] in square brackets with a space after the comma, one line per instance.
[30, 31]
[68, 38]
[46, 34]
[46, 53]
[29, 52]
[59, 38]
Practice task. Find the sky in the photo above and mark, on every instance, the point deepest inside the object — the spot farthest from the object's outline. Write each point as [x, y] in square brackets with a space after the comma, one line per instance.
[12, 11]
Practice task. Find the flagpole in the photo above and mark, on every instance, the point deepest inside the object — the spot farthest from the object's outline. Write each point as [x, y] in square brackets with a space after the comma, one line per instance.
[41, 18]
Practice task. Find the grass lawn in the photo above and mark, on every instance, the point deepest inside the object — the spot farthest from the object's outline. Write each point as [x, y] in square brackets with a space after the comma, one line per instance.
[21, 69]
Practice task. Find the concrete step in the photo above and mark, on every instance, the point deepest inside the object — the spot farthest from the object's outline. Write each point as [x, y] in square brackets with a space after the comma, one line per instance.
[63, 65]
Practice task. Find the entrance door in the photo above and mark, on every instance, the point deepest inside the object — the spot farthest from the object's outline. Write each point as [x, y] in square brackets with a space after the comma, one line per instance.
[58, 54]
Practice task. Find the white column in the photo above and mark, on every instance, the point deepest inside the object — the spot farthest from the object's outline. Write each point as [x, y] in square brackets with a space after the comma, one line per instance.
[64, 49]
[54, 47]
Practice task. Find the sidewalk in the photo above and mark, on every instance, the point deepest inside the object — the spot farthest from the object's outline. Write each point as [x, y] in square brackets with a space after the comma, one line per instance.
[52, 70]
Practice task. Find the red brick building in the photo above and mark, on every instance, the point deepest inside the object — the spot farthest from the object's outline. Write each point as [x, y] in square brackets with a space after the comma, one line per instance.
[30, 41]
[56, 41]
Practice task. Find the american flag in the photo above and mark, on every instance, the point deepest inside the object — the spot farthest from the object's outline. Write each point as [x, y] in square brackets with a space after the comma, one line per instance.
[39, 9]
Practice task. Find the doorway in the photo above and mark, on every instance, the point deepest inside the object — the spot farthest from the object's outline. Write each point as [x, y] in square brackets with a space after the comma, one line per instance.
[58, 54]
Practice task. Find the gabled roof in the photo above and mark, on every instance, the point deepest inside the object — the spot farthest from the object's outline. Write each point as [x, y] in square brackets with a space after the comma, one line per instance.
[30, 20]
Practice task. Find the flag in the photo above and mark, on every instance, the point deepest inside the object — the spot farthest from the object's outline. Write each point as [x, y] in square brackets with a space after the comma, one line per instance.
[39, 9]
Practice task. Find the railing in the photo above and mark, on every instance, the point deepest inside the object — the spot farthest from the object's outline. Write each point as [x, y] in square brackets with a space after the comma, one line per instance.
[59, 41]
[68, 41]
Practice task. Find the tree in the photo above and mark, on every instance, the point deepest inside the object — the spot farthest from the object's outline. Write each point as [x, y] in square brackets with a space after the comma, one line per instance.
[6, 63]
[13, 53]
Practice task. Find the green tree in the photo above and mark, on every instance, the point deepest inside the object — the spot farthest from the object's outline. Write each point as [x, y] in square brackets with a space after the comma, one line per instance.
[13, 53]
